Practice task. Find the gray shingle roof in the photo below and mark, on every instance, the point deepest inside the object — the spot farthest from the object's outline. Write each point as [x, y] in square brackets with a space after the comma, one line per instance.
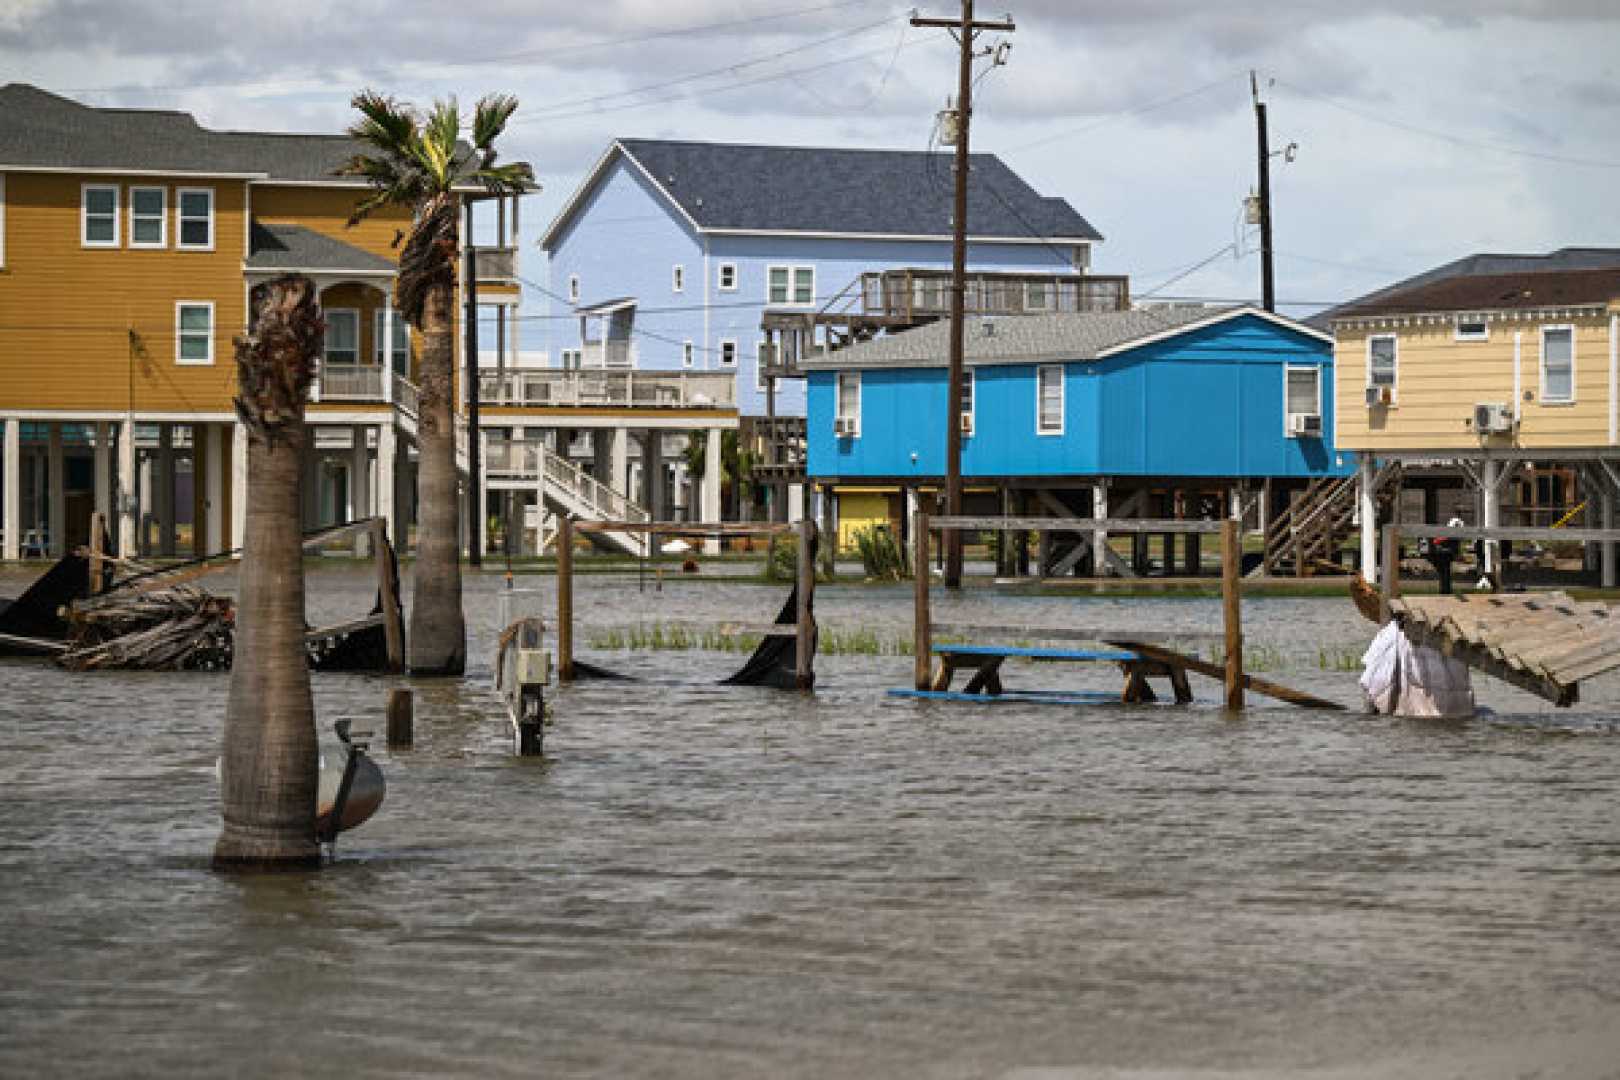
[293, 247]
[44, 130]
[814, 189]
[1012, 339]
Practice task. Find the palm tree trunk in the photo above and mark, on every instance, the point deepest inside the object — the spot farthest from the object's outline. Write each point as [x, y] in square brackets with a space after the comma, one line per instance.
[438, 632]
[270, 766]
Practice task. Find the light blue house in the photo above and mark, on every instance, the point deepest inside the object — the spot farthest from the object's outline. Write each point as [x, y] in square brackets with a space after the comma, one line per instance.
[669, 252]
[1168, 412]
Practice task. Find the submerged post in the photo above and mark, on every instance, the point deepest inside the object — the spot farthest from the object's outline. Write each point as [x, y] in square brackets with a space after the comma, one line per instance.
[388, 595]
[1390, 570]
[922, 632]
[804, 676]
[1232, 605]
[565, 599]
[98, 549]
[401, 713]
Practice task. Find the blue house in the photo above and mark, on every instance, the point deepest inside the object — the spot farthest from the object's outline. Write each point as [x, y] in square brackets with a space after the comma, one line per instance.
[669, 252]
[1156, 413]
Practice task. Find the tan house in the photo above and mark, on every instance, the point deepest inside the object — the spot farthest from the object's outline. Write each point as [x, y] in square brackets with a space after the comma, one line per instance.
[1487, 373]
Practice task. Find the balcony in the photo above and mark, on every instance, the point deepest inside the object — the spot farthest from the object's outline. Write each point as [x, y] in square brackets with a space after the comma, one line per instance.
[917, 295]
[586, 389]
[497, 265]
[350, 382]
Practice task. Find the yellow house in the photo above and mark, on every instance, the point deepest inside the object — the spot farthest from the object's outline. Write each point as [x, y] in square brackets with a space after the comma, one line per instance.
[129, 240]
[1491, 372]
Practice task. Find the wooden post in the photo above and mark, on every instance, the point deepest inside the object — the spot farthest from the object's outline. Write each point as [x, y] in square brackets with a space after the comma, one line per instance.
[1390, 572]
[401, 717]
[1232, 603]
[393, 625]
[922, 640]
[804, 675]
[98, 549]
[565, 599]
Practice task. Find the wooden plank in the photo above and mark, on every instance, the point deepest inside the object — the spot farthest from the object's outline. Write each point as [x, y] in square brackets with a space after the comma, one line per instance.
[1083, 525]
[1572, 676]
[804, 676]
[1512, 532]
[687, 528]
[565, 599]
[1232, 611]
[33, 644]
[1028, 697]
[922, 629]
[1215, 671]
[339, 629]
[1070, 633]
[1477, 657]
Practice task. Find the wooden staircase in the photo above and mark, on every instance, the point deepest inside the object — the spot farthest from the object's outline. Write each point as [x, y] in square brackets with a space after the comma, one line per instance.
[1303, 539]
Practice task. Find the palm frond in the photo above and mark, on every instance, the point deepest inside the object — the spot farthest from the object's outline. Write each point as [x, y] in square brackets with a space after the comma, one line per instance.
[387, 124]
[489, 120]
[510, 179]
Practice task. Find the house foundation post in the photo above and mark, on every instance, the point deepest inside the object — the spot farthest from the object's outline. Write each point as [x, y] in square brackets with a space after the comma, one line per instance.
[11, 491]
[128, 502]
[56, 479]
[1367, 506]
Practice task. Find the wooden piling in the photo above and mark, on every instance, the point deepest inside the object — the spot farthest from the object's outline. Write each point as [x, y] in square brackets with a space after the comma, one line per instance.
[98, 551]
[922, 631]
[393, 624]
[1389, 580]
[1232, 605]
[804, 674]
[401, 717]
[565, 599]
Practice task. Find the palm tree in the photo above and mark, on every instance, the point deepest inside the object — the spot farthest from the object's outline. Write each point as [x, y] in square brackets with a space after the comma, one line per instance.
[270, 771]
[419, 162]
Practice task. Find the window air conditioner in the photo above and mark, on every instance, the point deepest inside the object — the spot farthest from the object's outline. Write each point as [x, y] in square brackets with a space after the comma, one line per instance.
[844, 426]
[1491, 418]
[1308, 425]
[1379, 395]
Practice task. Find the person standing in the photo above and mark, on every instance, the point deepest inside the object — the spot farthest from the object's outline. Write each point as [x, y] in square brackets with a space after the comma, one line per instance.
[1443, 551]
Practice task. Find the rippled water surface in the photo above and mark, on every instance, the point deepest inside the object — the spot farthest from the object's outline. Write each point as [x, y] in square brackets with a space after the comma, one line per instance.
[705, 882]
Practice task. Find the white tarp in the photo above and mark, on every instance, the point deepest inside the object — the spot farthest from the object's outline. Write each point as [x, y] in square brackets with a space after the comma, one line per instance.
[1402, 679]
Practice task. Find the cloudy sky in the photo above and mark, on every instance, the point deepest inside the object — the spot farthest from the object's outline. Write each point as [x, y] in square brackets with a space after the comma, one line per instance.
[1426, 129]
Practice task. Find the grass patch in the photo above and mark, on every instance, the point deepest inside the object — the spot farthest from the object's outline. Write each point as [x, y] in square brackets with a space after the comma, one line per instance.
[674, 637]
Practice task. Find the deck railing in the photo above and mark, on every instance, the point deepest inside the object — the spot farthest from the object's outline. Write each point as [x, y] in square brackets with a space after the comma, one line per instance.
[918, 294]
[667, 390]
[351, 382]
[530, 460]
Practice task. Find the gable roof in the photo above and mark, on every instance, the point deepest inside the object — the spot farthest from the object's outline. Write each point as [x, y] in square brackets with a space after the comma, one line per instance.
[1025, 339]
[44, 131]
[1480, 264]
[744, 188]
[293, 247]
[1494, 292]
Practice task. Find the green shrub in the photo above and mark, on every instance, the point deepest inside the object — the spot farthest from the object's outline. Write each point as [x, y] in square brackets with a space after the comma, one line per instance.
[882, 556]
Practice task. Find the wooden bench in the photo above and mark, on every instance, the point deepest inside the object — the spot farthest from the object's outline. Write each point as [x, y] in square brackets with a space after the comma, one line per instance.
[985, 662]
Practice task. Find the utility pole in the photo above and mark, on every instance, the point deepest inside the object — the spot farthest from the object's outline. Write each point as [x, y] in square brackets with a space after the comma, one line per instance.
[966, 29]
[1268, 293]
[475, 507]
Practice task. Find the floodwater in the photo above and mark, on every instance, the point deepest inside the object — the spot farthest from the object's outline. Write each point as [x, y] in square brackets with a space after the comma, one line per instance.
[709, 882]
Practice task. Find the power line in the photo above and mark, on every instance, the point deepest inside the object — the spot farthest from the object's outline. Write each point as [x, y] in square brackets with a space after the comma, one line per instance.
[1193, 269]
[1122, 113]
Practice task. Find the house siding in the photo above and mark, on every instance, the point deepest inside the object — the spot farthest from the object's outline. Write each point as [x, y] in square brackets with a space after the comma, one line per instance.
[1439, 380]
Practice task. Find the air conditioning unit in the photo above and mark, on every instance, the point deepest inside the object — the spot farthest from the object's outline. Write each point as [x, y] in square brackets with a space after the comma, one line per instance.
[1379, 395]
[1305, 425]
[1493, 417]
[844, 427]
[967, 423]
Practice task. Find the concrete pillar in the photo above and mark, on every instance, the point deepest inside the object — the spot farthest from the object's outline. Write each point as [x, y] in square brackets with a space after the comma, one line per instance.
[11, 491]
[1367, 506]
[103, 483]
[239, 470]
[1607, 506]
[795, 502]
[57, 493]
[211, 447]
[163, 480]
[360, 488]
[387, 479]
[618, 477]
[128, 503]
[711, 486]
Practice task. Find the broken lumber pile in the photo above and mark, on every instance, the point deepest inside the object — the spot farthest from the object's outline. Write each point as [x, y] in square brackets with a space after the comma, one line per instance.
[178, 628]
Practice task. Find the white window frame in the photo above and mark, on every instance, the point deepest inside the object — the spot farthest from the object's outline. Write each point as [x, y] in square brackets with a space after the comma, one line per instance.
[179, 337]
[162, 217]
[1457, 328]
[842, 382]
[688, 354]
[794, 273]
[84, 215]
[326, 348]
[573, 288]
[970, 390]
[572, 359]
[1289, 369]
[677, 278]
[1394, 367]
[377, 339]
[1570, 329]
[1040, 427]
[720, 278]
[728, 345]
[180, 218]
[1048, 299]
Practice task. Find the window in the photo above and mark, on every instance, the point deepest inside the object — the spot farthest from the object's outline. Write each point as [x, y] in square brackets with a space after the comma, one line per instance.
[728, 277]
[1302, 401]
[1037, 296]
[195, 209]
[1082, 258]
[1049, 399]
[146, 217]
[1472, 328]
[686, 354]
[967, 403]
[728, 354]
[678, 278]
[98, 215]
[1557, 365]
[402, 340]
[573, 288]
[571, 358]
[790, 285]
[194, 332]
[1381, 361]
[847, 421]
[342, 336]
